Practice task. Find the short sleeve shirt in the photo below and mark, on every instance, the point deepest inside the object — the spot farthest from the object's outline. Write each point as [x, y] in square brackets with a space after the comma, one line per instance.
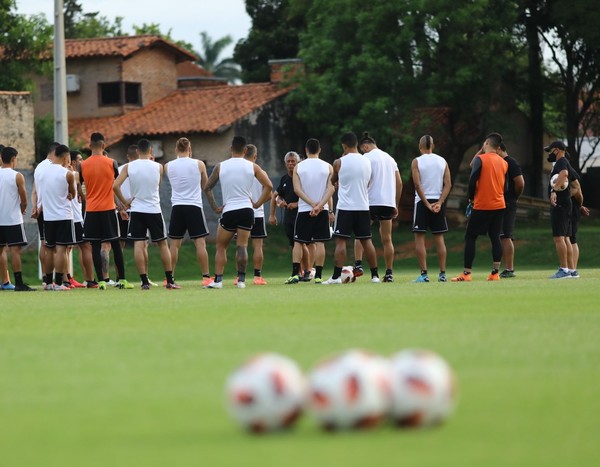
[514, 170]
[286, 191]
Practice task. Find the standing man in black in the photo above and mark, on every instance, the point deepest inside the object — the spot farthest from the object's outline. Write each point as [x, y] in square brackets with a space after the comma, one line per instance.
[514, 188]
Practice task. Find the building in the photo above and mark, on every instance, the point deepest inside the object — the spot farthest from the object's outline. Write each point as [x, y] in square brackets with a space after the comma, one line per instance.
[17, 126]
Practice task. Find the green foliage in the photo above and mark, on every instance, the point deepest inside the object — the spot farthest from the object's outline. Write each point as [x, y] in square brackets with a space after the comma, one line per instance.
[22, 40]
[210, 54]
[276, 25]
[79, 25]
[44, 136]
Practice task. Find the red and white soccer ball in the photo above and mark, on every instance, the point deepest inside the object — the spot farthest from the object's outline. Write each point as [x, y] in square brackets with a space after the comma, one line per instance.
[563, 187]
[267, 393]
[347, 274]
[351, 390]
[423, 389]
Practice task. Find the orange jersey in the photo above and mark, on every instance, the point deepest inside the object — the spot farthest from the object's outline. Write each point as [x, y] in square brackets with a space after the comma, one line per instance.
[489, 194]
[98, 176]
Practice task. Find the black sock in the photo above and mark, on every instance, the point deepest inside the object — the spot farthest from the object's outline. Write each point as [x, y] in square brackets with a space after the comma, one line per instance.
[58, 278]
[169, 276]
[218, 278]
[68, 276]
[206, 275]
[307, 273]
[257, 272]
[466, 273]
[388, 272]
[442, 272]
[494, 271]
[241, 276]
[18, 278]
[374, 272]
[337, 272]
[423, 272]
[295, 269]
[48, 278]
[106, 279]
[144, 278]
[318, 271]
[357, 263]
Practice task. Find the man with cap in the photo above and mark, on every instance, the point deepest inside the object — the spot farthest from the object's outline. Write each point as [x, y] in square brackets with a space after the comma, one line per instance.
[560, 207]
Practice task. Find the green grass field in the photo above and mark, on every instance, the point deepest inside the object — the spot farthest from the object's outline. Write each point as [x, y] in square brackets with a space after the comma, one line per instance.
[131, 378]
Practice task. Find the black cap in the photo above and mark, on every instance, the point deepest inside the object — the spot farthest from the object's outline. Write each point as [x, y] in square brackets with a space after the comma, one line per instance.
[556, 145]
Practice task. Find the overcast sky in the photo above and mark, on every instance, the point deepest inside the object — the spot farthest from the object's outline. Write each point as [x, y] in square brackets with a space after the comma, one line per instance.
[185, 18]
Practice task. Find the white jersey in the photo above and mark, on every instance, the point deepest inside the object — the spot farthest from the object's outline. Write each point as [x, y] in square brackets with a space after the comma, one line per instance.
[77, 211]
[313, 174]
[431, 171]
[382, 189]
[126, 185]
[354, 175]
[184, 175]
[257, 189]
[236, 176]
[37, 174]
[56, 205]
[144, 180]
[10, 201]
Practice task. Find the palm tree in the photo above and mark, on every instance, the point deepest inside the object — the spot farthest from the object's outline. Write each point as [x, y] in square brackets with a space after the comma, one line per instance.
[209, 58]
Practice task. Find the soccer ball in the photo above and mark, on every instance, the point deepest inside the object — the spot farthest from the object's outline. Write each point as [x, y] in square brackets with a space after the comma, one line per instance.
[558, 188]
[351, 390]
[267, 393]
[347, 274]
[423, 389]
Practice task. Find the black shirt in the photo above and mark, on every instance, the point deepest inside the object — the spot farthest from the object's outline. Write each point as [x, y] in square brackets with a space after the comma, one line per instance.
[514, 170]
[563, 198]
[286, 191]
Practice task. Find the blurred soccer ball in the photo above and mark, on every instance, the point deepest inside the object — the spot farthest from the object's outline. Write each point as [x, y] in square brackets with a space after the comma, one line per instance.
[347, 274]
[351, 390]
[267, 393]
[563, 187]
[423, 389]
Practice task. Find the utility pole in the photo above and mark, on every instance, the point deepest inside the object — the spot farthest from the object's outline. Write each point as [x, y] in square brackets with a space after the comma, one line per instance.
[61, 118]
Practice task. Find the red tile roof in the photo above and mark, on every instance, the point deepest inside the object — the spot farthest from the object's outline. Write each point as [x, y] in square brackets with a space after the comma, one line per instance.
[184, 111]
[121, 46]
[190, 69]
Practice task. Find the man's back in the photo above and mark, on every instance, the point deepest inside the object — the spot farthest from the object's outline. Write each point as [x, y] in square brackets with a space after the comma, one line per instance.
[184, 176]
[354, 175]
[236, 176]
[313, 175]
[489, 194]
[10, 201]
[144, 179]
[98, 174]
[431, 172]
[382, 189]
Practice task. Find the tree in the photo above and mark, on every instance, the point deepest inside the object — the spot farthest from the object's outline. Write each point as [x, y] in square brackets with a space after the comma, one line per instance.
[276, 26]
[79, 25]
[209, 57]
[153, 29]
[22, 41]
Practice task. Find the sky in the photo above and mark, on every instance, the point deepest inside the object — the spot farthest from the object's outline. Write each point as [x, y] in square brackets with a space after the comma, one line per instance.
[185, 18]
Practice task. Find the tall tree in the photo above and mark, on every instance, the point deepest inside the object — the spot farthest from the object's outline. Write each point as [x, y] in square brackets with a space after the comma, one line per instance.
[210, 57]
[79, 25]
[276, 26]
[22, 41]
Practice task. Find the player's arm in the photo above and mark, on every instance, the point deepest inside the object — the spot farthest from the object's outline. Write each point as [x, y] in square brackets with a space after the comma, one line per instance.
[337, 164]
[563, 176]
[117, 187]
[265, 181]
[161, 171]
[208, 189]
[272, 207]
[34, 202]
[475, 173]
[78, 189]
[328, 193]
[399, 187]
[414, 166]
[71, 183]
[519, 184]
[20, 180]
[203, 174]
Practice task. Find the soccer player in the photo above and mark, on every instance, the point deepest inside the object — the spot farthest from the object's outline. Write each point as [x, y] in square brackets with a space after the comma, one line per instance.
[514, 188]
[236, 176]
[145, 176]
[431, 177]
[577, 211]
[259, 229]
[100, 225]
[312, 183]
[353, 172]
[561, 208]
[486, 191]
[13, 199]
[46, 257]
[188, 178]
[59, 229]
[385, 190]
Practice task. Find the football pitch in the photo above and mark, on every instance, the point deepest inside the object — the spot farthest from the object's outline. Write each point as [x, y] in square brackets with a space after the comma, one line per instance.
[132, 378]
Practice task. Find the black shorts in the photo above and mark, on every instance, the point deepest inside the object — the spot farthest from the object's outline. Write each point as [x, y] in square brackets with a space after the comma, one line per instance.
[237, 219]
[59, 233]
[101, 226]
[259, 229]
[40, 223]
[289, 232]
[312, 229]
[140, 223]
[560, 218]
[12, 235]
[187, 218]
[79, 236]
[381, 213]
[352, 222]
[575, 218]
[508, 223]
[123, 227]
[424, 219]
[485, 223]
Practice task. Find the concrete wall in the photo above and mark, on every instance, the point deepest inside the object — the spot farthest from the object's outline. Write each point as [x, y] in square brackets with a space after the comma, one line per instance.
[16, 126]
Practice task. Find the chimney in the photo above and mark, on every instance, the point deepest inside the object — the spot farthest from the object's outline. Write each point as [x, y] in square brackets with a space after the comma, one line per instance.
[286, 69]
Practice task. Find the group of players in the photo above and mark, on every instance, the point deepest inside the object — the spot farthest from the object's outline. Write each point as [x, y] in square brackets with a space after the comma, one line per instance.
[123, 203]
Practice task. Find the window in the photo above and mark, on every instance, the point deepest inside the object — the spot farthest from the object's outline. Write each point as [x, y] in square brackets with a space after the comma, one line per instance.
[119, 93]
